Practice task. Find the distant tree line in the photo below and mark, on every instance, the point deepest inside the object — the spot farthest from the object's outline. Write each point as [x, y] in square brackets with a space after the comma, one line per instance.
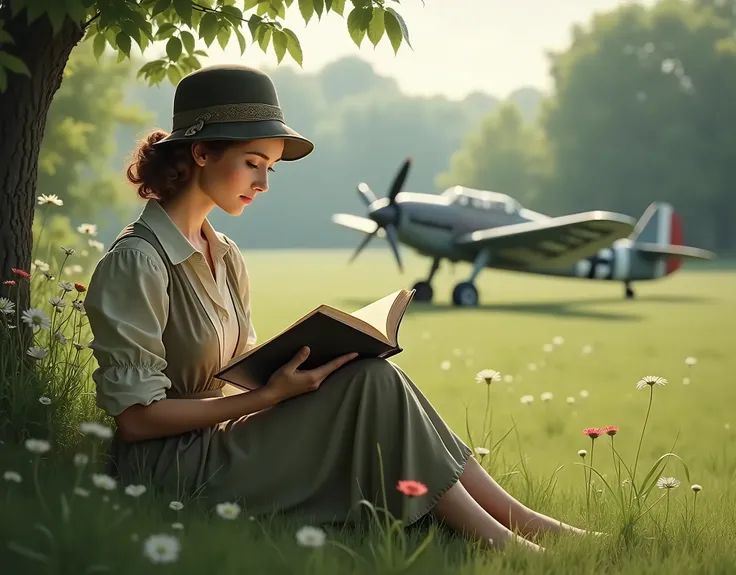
[642, 110]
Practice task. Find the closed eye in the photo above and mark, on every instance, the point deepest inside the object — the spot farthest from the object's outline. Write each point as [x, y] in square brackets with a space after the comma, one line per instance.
[255, 167]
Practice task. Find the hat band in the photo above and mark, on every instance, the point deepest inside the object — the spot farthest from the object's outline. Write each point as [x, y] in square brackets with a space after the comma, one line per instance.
[194, 120]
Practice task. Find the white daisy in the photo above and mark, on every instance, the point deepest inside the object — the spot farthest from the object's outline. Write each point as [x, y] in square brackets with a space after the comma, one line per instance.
[690, 360]
[61, 338]
[68, 251]
[13, 476]
[81, 459]
[41, 265]
[162, 548]
[668, 482]
[44, 400]
[650, 380]
[37, 352]
[135, 490]
[482, 451]
[228, 510]
[696, 488]
[527, 399]
[57, 301]
[99, 246]
[558, 340]
[546, 396]
[584, 393]
[37, 446]
[176, 505]
[95, 428]
[104, 481]
[177, 525]
[309, 536]
[36, 318]
[487, 376]
[587, 349]
[81, 492]
[582, 452]
[445, 365]
[87, 229]
[6, 306]
[66, 286]
[50, 199]
[570, 399]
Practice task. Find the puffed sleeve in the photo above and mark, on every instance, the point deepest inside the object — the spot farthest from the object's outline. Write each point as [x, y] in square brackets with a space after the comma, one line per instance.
[127, 307]
[241, 271]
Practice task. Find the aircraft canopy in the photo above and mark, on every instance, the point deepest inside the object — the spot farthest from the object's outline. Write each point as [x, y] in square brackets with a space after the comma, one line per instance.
[482, 199]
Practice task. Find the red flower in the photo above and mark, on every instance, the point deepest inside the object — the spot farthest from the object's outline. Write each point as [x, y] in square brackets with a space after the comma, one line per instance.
[21, 273]
[592, 432]
[80, 287]
[411, 488]
[610, 430]
[8, 283]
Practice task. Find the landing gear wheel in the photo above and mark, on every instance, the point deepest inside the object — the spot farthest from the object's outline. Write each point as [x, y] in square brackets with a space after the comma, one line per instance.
[424, 291]
[629, 292]
[465, 295]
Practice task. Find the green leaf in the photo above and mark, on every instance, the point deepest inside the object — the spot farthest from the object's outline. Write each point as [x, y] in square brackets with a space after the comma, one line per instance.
[249, 4]
[338, 6]
[159, 7]
[34, 11]
[294, 46]
[123, 41]
[402, 25]
[16, 6]
[174, 74]
[241, 40]
[14, 64]
[5, 38]
[56, 13]
[188, 40]
[393, 30]
[233, 14]
[358, 21]
[223, 36]
[184, 10]
[253, 23]
[208, 28]
[264, 36]
[306, 7]
[319, 7]
[280, 41]
[166, 30]
[173, 48]
[376, 27]
[98, 46]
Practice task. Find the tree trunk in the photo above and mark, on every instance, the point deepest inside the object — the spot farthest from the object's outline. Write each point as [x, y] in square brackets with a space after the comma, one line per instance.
[23, 110]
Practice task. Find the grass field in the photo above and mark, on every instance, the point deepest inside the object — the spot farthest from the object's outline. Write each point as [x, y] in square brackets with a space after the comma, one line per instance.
[688, 315]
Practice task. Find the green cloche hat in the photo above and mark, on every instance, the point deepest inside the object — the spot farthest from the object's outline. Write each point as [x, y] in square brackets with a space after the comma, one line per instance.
[232, 102]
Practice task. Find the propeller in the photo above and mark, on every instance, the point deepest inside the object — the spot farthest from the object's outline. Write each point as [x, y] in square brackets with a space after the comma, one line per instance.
[382, 215]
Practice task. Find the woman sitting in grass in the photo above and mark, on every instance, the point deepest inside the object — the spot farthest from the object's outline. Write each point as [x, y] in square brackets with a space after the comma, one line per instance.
[169, 304]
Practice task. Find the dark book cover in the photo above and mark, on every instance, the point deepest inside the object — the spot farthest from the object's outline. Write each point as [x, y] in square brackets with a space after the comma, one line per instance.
[327, 339]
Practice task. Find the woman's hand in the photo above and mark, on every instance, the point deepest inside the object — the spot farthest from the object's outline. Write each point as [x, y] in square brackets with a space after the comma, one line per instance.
[289, 381]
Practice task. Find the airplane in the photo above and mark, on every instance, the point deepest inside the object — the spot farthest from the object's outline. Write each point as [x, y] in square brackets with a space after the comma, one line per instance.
[493, 230]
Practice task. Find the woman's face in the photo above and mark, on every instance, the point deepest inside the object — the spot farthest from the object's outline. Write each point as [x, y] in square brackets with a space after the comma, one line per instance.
[233, 179]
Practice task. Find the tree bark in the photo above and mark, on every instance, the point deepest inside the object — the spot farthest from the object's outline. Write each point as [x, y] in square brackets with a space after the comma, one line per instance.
[24, 107]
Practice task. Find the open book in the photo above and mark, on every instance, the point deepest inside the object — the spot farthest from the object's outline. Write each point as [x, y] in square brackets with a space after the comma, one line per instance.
[371, 331]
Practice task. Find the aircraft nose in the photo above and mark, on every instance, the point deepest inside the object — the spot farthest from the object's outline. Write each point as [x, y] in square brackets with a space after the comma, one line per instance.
[385, 215]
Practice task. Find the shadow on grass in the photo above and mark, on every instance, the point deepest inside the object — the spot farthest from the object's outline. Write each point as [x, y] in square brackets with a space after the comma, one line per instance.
[563, 308]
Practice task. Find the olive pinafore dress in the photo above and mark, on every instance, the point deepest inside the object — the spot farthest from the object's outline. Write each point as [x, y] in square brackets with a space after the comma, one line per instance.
[314, 455]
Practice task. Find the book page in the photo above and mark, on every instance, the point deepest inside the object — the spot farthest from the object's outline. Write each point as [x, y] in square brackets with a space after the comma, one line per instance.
[376, 313]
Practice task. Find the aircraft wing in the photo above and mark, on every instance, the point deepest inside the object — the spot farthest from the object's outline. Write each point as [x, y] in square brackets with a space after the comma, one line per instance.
[357, 223]
[554, 242]
[685, 252]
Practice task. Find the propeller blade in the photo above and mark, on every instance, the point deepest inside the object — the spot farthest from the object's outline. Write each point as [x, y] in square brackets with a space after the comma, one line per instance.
[357, 223]
[366, 194]
[393, 241]
[364, 243]
[399, 180]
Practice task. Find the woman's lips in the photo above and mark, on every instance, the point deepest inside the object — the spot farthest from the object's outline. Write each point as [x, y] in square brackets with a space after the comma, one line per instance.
[246, 199]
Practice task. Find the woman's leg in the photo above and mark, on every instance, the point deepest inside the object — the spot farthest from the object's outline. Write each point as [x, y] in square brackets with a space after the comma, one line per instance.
[512, 514]
[460, 511]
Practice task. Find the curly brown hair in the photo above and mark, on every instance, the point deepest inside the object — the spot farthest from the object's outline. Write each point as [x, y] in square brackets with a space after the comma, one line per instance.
[161, 172]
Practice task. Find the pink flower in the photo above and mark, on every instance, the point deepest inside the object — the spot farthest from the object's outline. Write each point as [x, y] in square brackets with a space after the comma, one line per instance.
[592, 432]
[411, 488]
[21, 273]
[610, 430]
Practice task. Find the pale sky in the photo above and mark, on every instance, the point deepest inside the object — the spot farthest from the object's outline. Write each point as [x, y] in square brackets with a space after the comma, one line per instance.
[460, 46]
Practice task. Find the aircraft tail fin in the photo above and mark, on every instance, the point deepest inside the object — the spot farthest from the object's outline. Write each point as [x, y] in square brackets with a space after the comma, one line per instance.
[658, 237]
